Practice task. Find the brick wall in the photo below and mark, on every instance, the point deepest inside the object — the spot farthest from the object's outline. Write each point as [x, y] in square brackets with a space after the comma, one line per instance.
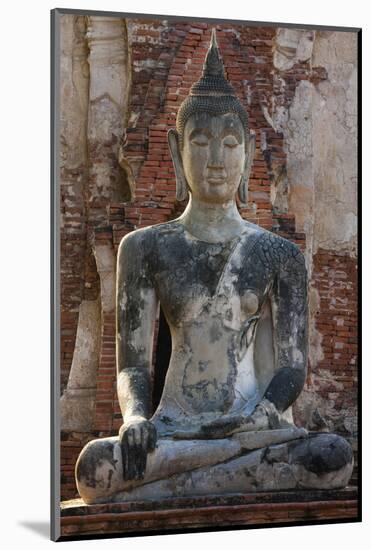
[335, 279]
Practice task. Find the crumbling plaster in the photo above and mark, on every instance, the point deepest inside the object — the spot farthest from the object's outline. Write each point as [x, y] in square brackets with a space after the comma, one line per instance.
[319, 128]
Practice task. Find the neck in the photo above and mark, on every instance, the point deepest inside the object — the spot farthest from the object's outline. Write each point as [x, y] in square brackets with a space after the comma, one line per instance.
[212, 222]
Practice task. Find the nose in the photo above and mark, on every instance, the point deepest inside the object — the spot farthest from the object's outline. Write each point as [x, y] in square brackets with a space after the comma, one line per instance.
[215, 159]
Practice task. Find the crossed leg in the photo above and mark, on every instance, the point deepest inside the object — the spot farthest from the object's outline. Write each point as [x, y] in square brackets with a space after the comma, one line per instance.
[199, 467]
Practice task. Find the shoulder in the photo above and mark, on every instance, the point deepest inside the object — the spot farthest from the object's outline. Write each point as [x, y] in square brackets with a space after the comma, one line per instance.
[147, 238]
[276, 250]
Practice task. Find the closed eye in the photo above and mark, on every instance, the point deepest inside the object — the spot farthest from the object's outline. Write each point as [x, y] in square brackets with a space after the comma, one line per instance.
[231, 142]
[201, 141]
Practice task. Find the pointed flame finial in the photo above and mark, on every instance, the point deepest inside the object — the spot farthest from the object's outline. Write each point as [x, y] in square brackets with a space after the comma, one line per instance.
[213, 79]
[213, 65]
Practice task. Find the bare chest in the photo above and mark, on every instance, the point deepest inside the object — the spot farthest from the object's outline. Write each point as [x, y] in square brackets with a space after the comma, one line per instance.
[206, 280]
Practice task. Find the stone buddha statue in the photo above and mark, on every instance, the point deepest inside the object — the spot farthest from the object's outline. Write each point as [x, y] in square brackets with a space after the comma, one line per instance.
[235, 298]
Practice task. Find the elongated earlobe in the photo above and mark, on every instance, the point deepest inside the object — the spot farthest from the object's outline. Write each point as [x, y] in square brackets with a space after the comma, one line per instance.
[244, 183]
[181, 182]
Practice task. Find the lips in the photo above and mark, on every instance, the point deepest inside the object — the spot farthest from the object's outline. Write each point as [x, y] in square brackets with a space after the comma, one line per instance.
[216, 181]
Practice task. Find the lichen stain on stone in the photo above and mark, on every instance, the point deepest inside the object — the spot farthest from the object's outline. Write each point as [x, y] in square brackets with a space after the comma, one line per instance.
[93, 457]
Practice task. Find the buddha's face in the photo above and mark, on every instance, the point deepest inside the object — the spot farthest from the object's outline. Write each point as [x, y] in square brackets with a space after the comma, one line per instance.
[213, 156]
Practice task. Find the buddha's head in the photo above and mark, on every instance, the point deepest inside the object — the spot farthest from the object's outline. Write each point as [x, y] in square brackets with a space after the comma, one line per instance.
[212, 147]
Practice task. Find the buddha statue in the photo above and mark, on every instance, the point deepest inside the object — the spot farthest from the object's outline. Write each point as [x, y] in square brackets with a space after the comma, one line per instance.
[235, 298]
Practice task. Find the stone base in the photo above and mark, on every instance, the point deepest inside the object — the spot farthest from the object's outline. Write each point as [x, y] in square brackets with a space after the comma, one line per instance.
[203, 513]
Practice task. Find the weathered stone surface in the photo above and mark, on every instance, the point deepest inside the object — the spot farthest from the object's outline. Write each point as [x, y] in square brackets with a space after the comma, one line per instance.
[165, 57]
[335, 143]
[214, 275]
[190, 468]
[109, 60]
[77, 402]
[95, 80]
[292, 46]
[320, 133]
[74, 93]
[74, 106]
[106, 267]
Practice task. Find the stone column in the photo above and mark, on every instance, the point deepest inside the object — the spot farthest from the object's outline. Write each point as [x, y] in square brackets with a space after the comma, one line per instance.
[77, 402]
[110, 71]
[74, 102]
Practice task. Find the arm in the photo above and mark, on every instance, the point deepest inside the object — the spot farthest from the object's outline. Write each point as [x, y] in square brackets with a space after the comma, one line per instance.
[290, 317]
[136, 313]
